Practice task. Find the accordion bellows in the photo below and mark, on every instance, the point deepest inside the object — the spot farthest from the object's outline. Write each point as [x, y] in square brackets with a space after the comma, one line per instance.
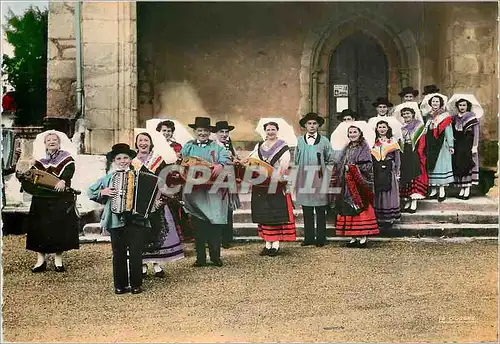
[136, 192]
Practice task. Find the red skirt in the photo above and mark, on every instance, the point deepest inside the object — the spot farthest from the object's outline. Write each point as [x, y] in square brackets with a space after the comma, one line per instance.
[280, 232]
[359, 225]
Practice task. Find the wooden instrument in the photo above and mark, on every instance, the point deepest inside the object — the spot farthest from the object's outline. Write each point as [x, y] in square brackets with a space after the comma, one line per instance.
[136, 192]
[259, 166]
[35, 180]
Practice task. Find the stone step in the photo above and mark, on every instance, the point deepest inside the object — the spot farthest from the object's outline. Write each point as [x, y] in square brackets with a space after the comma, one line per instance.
[451, 203]
[93, 230]
[421, 216]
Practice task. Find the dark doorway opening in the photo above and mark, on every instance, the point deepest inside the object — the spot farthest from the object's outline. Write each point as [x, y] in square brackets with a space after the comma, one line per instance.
[358, 74]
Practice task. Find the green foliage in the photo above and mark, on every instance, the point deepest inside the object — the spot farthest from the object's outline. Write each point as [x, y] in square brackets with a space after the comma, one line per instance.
[27, 70]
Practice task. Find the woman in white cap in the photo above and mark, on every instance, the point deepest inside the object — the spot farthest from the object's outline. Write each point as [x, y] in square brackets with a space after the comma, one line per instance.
[53, 220]
[355, 213]
[466, 134]
[439, 144]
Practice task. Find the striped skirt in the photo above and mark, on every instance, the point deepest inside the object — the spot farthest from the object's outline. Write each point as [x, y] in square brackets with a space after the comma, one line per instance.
[284, 231]
[360, 225]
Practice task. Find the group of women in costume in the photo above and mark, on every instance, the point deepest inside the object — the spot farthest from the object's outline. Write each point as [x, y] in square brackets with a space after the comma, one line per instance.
[379, 168]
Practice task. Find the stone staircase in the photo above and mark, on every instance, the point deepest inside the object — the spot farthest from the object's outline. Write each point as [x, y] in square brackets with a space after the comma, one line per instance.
[476, 217]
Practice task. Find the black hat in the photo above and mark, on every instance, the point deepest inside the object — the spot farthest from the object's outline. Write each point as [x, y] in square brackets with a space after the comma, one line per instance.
[382, 100]
[223, 125]
[202, 122]
[120, 148]
[428, 89]
[348, 112]
[311, 116]
[406, 90]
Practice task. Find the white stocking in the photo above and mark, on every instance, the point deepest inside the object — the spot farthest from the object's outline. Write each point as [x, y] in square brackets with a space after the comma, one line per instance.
[462, 190]
[268, 245]
[433, 192]
[276, 245]
[441, 192]
[40, 259]
[407, 204]
[144, 268]
[157, 267]
[58, 259]
[363, 240]
[467, 191]
[413, 205]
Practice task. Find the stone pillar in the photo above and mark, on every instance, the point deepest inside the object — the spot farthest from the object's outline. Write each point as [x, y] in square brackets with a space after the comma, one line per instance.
[110, 73]
[61, 61]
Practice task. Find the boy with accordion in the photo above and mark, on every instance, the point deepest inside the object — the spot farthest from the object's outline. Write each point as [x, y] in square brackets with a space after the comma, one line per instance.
[121, 218]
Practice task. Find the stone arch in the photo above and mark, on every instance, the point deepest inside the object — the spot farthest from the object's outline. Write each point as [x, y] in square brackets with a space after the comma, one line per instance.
[398, 43]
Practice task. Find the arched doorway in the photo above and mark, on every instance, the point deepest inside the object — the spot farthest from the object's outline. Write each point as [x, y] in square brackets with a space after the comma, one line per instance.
[358, 74]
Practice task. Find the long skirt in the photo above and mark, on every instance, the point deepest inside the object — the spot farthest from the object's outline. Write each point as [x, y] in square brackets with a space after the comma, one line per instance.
[414, 180]
[53, 224]
[442, 173]
[162, 242]
[363, 224]
[274, 215]
[386, 202]
[465, 163]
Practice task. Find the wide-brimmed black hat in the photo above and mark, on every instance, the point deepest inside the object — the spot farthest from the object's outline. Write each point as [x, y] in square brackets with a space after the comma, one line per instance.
[311, 116]
[407, 90]
[120, 148]
[348, 112]
[428, 89]
[382, 100]
[201, 122]
[221, 125]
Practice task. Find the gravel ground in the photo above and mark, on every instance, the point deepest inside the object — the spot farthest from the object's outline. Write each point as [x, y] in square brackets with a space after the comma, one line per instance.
[393, 291]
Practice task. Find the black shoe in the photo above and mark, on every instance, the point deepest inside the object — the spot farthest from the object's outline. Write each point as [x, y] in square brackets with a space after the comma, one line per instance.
[264, 252]
[441, 199]
[352, 244]
[217, 262]
[40, 268]
[305, 243]
[198, 264]
[433, 196]
[160, 274]
[226, 245]
[136, 290]
[320, 244]
[273, 252]
[60, 268]
[465, 198]
[412, 211]
[120, 291]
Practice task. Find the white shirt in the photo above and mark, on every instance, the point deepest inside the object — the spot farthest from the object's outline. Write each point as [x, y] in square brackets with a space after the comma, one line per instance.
[311, 138]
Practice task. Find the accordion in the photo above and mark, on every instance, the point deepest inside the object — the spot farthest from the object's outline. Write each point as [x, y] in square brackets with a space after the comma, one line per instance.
[136, 192]
[33, 181]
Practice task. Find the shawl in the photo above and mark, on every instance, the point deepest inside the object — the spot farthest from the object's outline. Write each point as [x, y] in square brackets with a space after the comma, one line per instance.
[55, 163]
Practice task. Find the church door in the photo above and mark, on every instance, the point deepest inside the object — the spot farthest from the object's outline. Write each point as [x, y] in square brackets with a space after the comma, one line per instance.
[357, 76]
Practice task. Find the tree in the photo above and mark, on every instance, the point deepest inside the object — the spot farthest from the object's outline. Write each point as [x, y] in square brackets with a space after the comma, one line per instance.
[27, 70]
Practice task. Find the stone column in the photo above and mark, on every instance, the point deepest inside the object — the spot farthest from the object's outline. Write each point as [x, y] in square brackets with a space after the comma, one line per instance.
[110, 73]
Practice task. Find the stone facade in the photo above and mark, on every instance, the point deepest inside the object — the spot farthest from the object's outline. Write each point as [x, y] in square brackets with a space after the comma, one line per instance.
[109, 69]
[244, 61]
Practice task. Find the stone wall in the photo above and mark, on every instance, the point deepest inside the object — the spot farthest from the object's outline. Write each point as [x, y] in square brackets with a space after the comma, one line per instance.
[469, 64]
[244, 61]
[61, 64]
